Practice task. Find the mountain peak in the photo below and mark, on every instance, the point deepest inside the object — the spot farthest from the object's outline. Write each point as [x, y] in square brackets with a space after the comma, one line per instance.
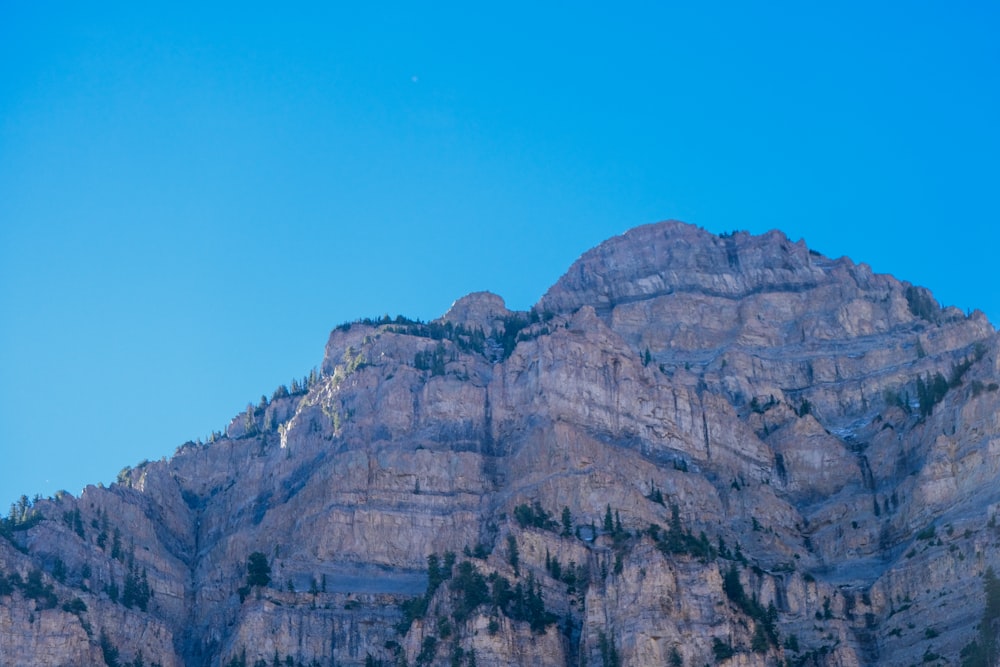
[696, 449]
[675, 256]
[478, 309]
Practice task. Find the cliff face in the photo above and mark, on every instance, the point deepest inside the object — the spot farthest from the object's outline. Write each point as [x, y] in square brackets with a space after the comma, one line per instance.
[694, 450]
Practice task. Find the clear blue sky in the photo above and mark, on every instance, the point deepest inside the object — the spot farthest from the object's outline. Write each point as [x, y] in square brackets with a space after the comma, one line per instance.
[192, 197]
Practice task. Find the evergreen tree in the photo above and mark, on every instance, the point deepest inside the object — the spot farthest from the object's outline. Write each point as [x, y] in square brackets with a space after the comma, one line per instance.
[732, 586]
[434, 574]
[116, 546]
[471, 588]
[759, 643]
[109, 651]
[609, 653]
[983, 652]
[258, 570]
[512, 554]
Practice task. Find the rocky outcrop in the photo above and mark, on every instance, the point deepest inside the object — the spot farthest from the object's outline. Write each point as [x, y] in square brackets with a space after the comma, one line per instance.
[694, 450]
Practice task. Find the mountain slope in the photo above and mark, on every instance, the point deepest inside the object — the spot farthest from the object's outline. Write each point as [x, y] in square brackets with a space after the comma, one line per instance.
[694, 450]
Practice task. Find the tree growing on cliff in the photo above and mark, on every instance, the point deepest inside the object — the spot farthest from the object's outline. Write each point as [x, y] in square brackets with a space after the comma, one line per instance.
[512, 554]
[258, 570]
[983, 651]
[109, 651]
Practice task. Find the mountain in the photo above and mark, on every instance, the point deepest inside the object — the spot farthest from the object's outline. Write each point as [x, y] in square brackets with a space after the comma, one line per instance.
[695, 449]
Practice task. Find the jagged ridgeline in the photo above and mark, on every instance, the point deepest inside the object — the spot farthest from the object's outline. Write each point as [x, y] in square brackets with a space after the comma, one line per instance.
[695, 449]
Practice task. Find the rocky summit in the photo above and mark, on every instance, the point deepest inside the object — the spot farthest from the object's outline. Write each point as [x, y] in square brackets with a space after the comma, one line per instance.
[694, 450]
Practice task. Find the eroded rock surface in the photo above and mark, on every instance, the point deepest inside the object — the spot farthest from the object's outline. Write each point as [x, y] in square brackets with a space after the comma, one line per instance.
[694, 450]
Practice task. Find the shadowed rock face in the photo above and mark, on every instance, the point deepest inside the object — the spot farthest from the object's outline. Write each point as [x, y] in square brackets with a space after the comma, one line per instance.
[694, 450]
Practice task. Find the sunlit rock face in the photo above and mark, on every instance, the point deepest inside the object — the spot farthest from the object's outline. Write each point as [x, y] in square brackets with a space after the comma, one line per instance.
[694, 450]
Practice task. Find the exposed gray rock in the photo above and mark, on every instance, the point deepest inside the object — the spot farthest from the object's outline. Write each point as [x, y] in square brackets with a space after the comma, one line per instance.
[740, 408]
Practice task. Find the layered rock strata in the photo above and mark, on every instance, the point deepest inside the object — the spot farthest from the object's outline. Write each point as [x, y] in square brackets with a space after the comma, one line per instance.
[694, 450]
